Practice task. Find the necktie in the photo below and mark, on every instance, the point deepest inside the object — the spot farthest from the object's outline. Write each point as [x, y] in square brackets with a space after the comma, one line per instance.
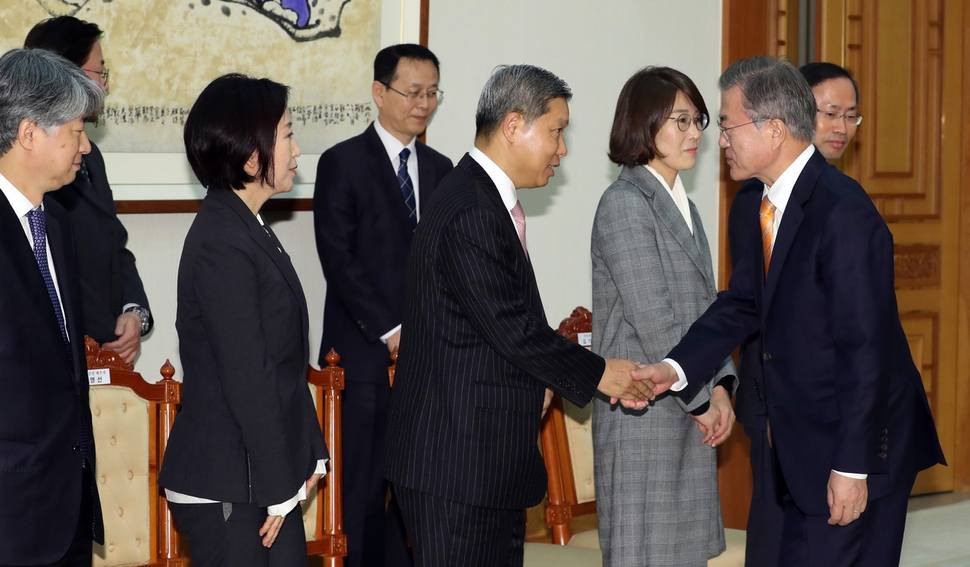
[83, 173]
[767, 217]
[518, 215]
[407, 188]
[38, 228]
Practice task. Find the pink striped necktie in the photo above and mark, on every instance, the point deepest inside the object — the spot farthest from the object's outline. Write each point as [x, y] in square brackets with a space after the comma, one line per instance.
[518, 215]
[767, 217]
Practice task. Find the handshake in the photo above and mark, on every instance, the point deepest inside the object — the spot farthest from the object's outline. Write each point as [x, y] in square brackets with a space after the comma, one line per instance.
[634, 384]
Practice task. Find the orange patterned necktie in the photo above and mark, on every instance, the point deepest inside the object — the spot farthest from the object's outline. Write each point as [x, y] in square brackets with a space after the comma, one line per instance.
[767, 222]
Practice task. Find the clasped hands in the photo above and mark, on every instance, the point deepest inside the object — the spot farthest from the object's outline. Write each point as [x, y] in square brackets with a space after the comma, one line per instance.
[634, 384]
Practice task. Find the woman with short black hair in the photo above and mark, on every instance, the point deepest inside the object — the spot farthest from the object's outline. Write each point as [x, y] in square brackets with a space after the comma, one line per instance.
[246, 447]
[656, 476]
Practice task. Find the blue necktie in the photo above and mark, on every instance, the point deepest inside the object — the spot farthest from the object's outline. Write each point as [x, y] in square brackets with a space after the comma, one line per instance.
[407, 188]
[38, 228]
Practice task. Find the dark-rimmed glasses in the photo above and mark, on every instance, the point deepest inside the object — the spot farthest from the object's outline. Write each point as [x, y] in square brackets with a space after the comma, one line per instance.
[684, 121]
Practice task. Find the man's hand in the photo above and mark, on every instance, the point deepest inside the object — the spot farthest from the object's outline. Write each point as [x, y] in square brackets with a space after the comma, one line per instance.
[847, 498]
[271, 529]
[128, 330]
[311, 485]
[661, 374]
[618, 384]
[394, 341]
[546, 402]
[716, 423]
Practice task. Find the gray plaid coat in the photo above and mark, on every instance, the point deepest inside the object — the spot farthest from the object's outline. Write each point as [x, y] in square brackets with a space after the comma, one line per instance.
[656, 484]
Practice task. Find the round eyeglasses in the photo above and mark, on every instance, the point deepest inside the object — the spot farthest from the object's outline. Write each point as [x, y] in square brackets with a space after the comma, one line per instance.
[414, 97]
[684, 121]
[851, 118]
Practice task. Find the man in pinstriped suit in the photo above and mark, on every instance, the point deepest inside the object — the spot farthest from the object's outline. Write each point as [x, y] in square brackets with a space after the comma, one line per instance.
[476, 354]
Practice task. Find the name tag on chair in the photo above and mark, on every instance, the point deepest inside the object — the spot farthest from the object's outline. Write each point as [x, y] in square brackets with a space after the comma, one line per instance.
[584, 339]
[99, 376]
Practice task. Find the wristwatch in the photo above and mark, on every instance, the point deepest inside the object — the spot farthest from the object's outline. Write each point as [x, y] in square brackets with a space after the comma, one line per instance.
[142, 314]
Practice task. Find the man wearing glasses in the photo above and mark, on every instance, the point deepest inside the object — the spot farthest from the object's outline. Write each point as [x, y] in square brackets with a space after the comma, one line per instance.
[115, 306]
[369, 194]
[848, 422]
[837, 99]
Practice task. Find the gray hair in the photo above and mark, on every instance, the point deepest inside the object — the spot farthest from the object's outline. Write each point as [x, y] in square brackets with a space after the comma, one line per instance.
[525, 89]
[773, 88]
[42, 87]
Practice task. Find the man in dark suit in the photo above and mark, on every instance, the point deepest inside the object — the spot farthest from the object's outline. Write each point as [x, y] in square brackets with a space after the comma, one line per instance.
[369, 195]
[849, 423]
[116, 312]
[49, 506]
[477, 354]
[837, 98]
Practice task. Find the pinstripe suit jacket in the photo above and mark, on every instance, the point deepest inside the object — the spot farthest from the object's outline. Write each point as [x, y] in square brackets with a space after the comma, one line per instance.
[476, 355]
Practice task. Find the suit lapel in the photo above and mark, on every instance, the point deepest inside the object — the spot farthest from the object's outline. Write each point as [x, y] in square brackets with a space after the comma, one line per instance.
[58, 246]
[426, 176]
[386, 179]
[268, 241]
[667, 212]
[790, 222]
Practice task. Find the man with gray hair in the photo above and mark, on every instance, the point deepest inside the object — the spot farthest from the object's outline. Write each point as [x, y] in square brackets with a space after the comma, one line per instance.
[848, 422]
[50, 510]
[476, 353]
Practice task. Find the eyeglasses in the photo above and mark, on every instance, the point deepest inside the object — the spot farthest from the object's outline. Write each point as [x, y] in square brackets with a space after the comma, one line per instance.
[103, 74]
[833, 116]
[413, 98]
[684, 121]
[724, 129]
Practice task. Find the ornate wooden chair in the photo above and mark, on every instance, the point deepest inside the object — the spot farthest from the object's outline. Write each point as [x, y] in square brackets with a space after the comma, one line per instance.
[323, 510]
[132, 420]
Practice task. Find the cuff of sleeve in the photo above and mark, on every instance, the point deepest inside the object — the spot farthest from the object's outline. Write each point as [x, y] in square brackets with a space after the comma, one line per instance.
[285, 508]
[321, 467]
[727, 382]
[389, 334]
[681, 382]
[701, 409]
[857, 476]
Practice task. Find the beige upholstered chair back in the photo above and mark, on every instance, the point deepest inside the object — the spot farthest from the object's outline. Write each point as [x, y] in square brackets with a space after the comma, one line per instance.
[131, 420]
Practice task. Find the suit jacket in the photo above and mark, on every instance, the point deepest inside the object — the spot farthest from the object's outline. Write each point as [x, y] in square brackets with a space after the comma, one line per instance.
[476, 355]
[841, 388]
[247, 429]
[44, 412]
[363, 237]
[109, 279]
[744, 234]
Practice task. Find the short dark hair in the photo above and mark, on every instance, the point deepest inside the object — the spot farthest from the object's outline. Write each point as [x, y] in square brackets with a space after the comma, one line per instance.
[385, 64]
[525, 89]
[642, 110]
[821, 71]
[233, 117]
[66, 36]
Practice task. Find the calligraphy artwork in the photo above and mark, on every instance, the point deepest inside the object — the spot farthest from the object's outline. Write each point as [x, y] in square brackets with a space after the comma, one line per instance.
[162, 53]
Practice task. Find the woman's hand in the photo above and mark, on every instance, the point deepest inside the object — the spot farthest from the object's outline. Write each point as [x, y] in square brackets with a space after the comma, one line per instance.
[716, 423]
[271, 529]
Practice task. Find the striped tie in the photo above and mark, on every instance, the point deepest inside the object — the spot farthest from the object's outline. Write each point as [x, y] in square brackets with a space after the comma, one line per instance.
[407, 188]
[767, 222]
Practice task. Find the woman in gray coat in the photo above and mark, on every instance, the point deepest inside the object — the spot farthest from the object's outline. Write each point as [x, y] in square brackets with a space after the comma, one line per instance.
[656, 469]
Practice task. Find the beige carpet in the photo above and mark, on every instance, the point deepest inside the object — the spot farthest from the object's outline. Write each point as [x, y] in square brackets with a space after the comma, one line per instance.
[938, 537]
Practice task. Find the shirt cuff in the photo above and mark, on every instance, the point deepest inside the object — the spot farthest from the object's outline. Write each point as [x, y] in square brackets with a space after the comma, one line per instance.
[285, 508]
[857, 476]
[389, 334]
[681, 382]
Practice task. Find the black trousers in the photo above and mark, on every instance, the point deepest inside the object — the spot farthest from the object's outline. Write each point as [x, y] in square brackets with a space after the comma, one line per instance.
[376, 536]
[216, 539]
[766, 515]
[451, 534]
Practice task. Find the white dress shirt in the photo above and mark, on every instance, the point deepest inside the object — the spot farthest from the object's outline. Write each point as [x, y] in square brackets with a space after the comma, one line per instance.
[506, 189]
[21, 206]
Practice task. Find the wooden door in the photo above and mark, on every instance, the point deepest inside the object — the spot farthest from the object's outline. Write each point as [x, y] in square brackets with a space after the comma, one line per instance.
[907, 56]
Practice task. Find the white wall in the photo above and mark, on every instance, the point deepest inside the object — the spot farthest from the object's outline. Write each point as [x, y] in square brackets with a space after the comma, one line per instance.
[594, 46]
